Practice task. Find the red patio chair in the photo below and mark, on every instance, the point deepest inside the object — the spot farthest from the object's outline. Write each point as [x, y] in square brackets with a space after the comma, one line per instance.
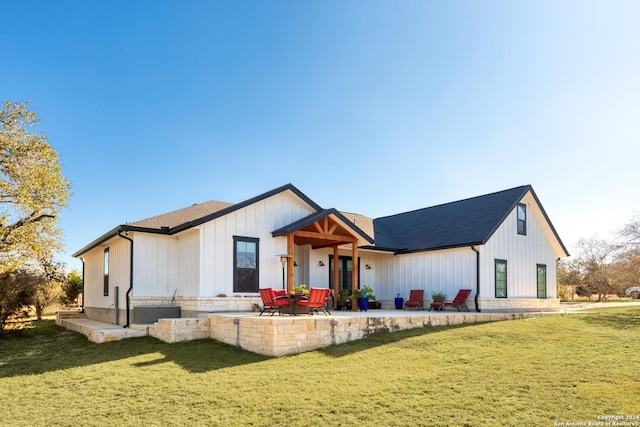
[459, 301]
[416, 299]
[271, 302]
[318, 299]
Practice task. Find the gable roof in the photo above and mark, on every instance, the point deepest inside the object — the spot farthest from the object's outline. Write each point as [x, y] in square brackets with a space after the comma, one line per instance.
[192, 216]
[310, 219]
[463, 223]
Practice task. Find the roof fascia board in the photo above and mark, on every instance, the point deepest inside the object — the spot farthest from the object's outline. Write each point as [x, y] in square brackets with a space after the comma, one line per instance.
[100, 240]
[439, 248]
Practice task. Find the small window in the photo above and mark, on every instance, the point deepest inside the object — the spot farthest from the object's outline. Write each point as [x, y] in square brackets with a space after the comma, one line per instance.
[106, 273]
[501, 278]
[542, 281]
[522, 219]
[245, 264]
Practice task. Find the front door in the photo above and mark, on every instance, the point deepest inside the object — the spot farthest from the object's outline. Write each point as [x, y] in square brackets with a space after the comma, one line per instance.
[345, 272]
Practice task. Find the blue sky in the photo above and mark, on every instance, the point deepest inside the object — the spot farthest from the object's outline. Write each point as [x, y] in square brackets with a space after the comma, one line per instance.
[374, 107]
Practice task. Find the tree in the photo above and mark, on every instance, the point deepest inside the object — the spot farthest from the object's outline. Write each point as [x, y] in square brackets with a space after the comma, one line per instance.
[16, 291]
[569, 279]
[33, 192]
[47, 285]
[71, 288]
[594, 260]
[630, 234]
[32, 188]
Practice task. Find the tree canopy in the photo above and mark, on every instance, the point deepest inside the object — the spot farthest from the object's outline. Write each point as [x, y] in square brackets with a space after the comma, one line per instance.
[33, 190]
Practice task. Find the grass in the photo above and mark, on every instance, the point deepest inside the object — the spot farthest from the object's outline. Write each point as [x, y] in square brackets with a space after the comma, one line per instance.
[525, 372]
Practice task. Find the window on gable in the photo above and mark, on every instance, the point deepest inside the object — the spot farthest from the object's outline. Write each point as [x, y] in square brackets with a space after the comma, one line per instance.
[106, 273]
[542, 280]
[522, 219]
[245, 264]
[501, 278]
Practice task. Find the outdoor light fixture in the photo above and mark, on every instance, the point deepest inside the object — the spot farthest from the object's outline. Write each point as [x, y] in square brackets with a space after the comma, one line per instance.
[368, 267]
[320, 264]
[283, 259]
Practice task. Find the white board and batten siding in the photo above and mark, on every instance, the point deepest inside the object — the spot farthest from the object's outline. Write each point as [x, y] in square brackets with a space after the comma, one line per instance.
[118, 274]
[257, 220]
[522, 253]
[445, 271]
[166, 265]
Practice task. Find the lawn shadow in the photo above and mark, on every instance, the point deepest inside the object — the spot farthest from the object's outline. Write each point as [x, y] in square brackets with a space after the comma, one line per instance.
[616, 318]
[384, 338]
[45, 347]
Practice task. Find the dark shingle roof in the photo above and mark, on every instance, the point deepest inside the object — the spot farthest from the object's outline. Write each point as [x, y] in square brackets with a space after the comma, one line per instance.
[192, 216]
[462, 223]
[181, 216]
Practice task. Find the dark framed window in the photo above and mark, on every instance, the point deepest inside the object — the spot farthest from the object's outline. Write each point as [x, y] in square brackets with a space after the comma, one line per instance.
[522, 219]
[105, 283]
[245, 264]
[345, 272]
[501, 278]
[542, 280]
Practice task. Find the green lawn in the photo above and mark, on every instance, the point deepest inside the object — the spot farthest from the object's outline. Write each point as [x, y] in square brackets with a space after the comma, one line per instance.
[532, 372]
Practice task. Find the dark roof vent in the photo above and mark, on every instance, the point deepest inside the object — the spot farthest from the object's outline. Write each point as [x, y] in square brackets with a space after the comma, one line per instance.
[164, 228]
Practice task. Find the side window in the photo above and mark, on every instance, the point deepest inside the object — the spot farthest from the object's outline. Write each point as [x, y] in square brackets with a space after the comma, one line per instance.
[245, 264]
[522, 219]
[542, 281]
[501, 278]
[106, 273]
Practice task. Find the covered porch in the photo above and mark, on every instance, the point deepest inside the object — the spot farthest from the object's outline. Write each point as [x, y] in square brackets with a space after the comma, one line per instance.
[327, 229]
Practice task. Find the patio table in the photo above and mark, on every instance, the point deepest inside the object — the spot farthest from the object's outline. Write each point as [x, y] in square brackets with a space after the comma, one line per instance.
[293, 303]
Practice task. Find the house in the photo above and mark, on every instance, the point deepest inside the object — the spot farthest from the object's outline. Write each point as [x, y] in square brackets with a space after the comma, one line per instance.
[215, 256]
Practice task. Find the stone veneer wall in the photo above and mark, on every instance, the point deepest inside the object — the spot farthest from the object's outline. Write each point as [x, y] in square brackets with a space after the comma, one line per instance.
[278, 336]
[184, 329]
[519, 304]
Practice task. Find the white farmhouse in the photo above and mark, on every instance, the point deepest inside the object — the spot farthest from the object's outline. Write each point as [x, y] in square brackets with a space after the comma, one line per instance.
[214, 256]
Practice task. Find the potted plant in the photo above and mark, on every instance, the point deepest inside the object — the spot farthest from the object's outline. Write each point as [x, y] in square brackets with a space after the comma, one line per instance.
[371, 298]
[438, 296]
[363, 302]
[344, 299]
[301, 289]
[399, 301]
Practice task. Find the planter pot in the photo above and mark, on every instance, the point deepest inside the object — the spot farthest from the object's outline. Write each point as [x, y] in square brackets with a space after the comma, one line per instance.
[399, 302]
[363, 303]
[374, 305]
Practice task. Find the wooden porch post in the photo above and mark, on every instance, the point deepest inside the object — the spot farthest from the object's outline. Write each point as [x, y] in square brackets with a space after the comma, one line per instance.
[336, 278]
[354, 274]
[290, 263]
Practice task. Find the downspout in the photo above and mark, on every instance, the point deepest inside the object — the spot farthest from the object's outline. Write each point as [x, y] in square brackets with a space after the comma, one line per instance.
[130, 275]
[82, 306]
[473, 248]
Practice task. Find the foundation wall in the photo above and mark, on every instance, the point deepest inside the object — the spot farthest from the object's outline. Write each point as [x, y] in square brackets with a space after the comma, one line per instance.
[279, 336]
